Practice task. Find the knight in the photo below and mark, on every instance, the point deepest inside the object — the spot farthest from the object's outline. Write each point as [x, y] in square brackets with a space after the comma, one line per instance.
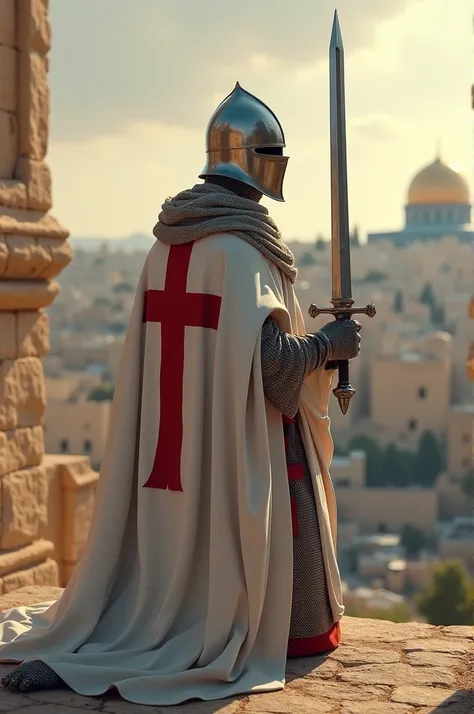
[212, 553]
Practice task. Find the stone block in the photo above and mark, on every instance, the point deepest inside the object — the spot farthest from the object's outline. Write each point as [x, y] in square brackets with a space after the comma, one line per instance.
[8, 78]
[22, 393]
[422, 696]
[30, 223]
[8, 144]
[32, 333]
[438, 644]
[465, 632]
[46, 573]
[358, 629]
[351, 656]
[3, 255]
[20, 448]
[36, 175]
[61, 255]
[29, 596]
[7, 23]
[8, 396]
[397, 675]
[276, 703]
[341, 691]
[12, 193]
[24, 498]
[34, 101]
[34, 31]
[433, 659]
[26, 294]
[375, 708]
[27, 258]
[25, 557]
[8, 338]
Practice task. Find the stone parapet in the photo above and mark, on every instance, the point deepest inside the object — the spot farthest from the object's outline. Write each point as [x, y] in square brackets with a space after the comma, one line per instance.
[49, 504]
[72, 485]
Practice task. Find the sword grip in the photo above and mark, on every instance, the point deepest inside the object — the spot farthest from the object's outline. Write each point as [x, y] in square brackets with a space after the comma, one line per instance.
[342, 310]
[344, 390]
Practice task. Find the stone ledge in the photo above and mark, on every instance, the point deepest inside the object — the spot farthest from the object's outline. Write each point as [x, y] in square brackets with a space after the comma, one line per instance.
[27, 295]
[44, 573]
[25, 557]
[29, 566]
[28, 596]
[31, 223]
[24, 257]
[368, 674]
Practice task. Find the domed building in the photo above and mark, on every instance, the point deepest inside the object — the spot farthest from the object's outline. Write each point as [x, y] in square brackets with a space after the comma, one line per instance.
[438, 205]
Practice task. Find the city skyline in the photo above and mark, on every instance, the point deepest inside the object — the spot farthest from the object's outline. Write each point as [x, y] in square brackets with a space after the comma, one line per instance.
[135, 137]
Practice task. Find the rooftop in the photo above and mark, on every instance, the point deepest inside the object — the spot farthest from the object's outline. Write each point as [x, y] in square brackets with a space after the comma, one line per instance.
[381, 668]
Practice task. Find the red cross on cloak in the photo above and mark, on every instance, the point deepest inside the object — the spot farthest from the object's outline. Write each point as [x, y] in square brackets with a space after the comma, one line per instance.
[175, 309]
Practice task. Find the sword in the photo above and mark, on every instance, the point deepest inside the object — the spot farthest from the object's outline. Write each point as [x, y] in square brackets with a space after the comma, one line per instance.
[343, 304]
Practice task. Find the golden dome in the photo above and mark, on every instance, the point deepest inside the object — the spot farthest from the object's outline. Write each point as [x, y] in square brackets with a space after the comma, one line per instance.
[438, 184]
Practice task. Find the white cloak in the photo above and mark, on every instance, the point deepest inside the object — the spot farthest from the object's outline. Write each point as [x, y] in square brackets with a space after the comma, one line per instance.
[187, 594]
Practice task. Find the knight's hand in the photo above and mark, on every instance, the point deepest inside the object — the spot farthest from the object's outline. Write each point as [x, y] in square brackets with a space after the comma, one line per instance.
[343, 337]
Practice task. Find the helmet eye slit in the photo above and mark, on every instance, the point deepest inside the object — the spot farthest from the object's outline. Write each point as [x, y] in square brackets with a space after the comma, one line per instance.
[270, 150]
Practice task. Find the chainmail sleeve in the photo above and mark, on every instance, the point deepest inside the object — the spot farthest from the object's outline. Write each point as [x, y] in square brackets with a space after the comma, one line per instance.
[286, 362]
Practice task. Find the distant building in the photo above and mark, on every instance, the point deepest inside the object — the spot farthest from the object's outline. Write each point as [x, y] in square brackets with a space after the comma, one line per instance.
[366, 511]
[461, 439]
[457, 542]
[410, 392]
[438, 205]
[77, 428]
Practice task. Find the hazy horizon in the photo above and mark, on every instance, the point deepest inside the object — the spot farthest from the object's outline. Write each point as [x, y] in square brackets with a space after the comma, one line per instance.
[130, 99]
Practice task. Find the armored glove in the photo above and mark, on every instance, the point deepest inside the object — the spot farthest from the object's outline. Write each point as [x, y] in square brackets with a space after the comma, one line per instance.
[343, 338]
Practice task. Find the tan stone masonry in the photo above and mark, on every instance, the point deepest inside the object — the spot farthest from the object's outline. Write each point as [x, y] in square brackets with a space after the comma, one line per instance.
[45, 502]
[380, 668]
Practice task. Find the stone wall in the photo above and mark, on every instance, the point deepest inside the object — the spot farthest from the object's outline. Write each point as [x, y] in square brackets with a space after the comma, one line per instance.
[33, 251]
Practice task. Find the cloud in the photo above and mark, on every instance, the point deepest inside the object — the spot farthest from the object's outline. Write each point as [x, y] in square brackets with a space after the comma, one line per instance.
[167, 60]
[375, 127]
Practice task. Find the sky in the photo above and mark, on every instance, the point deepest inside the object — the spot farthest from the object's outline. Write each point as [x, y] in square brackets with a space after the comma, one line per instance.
[133, 85]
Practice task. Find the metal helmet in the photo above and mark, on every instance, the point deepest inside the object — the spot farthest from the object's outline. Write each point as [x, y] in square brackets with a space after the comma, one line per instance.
[244, 141]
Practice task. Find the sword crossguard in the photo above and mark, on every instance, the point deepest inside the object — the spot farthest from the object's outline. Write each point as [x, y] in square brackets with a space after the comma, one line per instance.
[342, 309]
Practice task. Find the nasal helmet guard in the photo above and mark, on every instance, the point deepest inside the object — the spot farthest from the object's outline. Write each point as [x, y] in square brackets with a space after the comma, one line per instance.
[245, 141]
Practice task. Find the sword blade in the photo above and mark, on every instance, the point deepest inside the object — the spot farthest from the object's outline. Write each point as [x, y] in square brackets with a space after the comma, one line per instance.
[341, 256]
